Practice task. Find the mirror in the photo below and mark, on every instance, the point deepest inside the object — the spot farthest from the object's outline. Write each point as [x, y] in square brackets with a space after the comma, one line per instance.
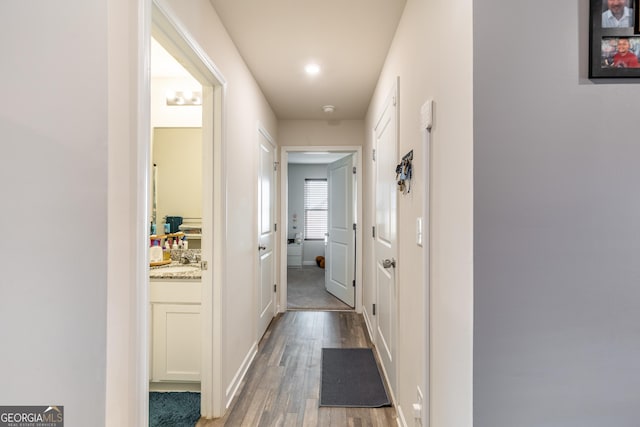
[177, 180]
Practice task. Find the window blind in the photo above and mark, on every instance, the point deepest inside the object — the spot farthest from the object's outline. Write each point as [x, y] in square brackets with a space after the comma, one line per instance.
[315, 208]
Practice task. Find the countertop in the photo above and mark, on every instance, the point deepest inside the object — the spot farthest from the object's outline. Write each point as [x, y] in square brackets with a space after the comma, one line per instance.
[172, 271]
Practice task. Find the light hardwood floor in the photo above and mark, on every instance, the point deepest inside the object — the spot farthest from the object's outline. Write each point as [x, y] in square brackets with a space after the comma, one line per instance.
[282, 387]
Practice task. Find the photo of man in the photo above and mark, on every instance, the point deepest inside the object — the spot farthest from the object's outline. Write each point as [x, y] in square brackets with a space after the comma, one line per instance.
[618, 14]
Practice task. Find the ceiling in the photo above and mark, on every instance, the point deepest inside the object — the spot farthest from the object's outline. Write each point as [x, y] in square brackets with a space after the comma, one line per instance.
[348, 39]
[163, 65]
[314, 158]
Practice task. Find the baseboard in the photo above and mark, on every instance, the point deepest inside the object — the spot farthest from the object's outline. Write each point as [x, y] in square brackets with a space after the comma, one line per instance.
[239, 376]
[402, 422]
[367, 322]
[392, 396]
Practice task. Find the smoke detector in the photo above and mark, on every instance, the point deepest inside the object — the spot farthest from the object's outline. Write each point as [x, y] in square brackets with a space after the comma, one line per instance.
[328, 109]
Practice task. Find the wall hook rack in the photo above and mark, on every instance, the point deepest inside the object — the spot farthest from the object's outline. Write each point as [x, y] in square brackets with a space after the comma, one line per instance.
[404, 171]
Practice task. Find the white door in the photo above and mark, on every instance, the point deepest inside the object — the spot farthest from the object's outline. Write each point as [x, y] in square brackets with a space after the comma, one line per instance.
[340, 250]
[266, 296]
[385, 245]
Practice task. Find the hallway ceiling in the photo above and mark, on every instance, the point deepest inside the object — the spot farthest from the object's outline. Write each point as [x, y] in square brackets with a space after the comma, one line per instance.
[348, 39]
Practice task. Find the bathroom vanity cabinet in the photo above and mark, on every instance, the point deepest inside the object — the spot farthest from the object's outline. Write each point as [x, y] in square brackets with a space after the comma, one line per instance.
[175, 330]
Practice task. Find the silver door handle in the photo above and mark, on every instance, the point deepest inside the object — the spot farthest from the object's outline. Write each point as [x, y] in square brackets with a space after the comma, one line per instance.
[387, 263]
[262, 248]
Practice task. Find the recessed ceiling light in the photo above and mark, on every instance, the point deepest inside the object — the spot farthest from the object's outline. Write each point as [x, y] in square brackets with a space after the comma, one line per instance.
[312, 69]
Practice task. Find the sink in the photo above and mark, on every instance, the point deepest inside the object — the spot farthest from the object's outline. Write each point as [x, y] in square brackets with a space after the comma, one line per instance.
[178, 269]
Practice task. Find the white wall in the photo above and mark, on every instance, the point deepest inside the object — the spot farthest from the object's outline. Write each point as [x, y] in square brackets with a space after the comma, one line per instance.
[297, 173]
[124, 405]
[320, 132]
[557, 340]
[245, 107]
[430, 67]
[53, 182]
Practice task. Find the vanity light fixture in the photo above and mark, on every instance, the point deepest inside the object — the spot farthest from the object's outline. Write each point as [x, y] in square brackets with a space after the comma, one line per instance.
[187, 97]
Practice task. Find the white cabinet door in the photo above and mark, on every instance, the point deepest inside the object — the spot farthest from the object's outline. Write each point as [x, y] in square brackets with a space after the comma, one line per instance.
[176, 342]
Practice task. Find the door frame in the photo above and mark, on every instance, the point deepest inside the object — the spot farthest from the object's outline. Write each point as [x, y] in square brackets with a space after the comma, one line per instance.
[174, 37]
[284, 209]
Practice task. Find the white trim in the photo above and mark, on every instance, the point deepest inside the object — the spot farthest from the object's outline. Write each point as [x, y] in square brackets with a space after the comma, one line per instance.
[284, 203]
[368, 324]
[174, 37]
[240, 374]
[402, 422]
[200, 65]
[140, 176]
[426, 272]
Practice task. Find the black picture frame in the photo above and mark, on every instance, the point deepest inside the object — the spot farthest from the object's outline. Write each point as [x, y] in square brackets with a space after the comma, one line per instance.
[605, 60]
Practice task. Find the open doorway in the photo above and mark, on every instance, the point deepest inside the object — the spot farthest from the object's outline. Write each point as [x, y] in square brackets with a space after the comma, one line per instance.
[176, 192]
[191, 360]
[321, 211]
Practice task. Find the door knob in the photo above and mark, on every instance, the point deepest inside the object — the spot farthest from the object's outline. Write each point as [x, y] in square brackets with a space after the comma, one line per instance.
[262, 248]
[387, 263]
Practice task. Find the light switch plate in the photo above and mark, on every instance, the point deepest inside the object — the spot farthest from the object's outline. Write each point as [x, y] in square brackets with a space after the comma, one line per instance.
[419, 231]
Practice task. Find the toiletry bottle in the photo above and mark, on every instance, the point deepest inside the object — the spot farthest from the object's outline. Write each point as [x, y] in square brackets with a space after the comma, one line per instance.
[185, 243]
[153, 229]
[155, 253]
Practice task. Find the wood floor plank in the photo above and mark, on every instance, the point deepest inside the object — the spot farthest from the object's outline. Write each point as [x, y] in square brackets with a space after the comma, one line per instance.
[282, 386]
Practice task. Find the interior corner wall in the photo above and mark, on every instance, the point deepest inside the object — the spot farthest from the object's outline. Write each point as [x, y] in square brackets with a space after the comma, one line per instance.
[431, 68]
[53, 183]
[556, 283]
[245, 107]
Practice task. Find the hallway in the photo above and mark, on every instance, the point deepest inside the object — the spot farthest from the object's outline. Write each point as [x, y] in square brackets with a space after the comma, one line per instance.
[282, 386]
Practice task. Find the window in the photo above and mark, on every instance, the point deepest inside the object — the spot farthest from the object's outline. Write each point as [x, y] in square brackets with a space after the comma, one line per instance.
[315, 209]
